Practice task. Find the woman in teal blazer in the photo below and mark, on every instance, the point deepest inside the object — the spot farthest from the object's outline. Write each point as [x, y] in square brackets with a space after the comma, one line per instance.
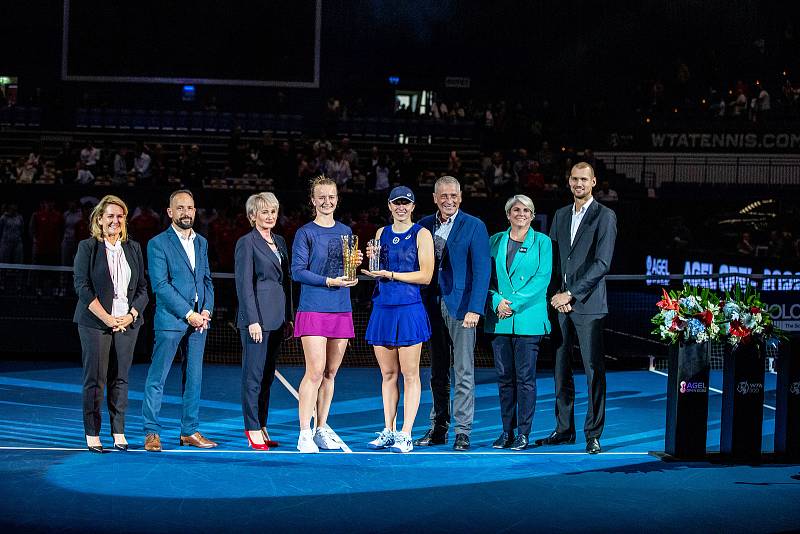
[516, 317]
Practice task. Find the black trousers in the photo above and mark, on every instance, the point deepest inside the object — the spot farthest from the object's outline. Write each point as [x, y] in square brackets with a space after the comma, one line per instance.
[589, 330]
[99, 369]
[258, 372]
[515, 362]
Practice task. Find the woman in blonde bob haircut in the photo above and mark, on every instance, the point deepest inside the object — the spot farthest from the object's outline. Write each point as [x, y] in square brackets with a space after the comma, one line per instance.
[95, 228]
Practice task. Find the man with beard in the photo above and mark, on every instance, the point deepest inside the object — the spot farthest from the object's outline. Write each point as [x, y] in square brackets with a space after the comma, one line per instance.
[181, 280]
[583, 235]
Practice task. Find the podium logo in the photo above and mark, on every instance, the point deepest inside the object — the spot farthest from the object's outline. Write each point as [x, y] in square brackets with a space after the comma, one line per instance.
[749, 388]
[693, 387]
[794, 388]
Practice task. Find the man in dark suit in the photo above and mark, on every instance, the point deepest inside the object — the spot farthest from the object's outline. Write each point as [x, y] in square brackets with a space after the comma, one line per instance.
[181, 279]
[455, 301]
[583, 236]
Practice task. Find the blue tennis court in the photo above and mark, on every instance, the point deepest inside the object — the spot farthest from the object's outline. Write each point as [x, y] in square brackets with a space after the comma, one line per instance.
[50, 482]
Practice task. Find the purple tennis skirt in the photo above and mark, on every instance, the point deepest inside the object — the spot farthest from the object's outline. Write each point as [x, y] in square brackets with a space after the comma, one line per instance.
[334, 325]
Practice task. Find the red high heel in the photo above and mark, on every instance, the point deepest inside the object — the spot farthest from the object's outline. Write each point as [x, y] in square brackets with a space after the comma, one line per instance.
[256, 446]
[269, 442]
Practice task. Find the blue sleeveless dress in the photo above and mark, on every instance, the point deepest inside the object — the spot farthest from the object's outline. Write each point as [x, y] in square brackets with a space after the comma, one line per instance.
[398, 316]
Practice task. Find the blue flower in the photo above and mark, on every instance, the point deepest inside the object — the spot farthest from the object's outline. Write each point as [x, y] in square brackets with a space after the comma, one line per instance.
[690, 303]
[694, 327]
[668, 317]
[731, 311]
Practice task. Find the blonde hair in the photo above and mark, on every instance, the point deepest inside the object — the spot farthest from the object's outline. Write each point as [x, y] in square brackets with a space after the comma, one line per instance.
[258, 202]
[320, 181]
[94, 226]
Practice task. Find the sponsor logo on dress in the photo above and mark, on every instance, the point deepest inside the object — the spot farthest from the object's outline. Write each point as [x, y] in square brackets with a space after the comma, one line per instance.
[693, 387]
[395, 240]
[749, 388]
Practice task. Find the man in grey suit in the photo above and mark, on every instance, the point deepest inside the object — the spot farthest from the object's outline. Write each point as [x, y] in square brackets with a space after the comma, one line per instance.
[583, 236]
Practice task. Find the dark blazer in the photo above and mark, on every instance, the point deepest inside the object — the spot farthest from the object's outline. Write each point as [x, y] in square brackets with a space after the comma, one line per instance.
[174, 282]
[92, 280]
[587, 261]
[465, 268]
[263, 284]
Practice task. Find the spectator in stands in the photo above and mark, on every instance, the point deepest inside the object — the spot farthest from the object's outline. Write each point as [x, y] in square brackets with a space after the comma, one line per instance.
[521, 166]
[11, 229]
[25, 172]
[375, 156]
[73, 219]
[45, 228]
[121, 167]
[338, 170]
[534, 180]
[141, 163]
[379, 179]
[159, 165]
[399, 324]
[85, 175]
[348, 153]
[745, 246]
[285, 168]
[112, 294]
[321, 143]
[776, 244]
[606, 194]
[763, 105]
[144, 224]
[517, 317]
[407, 171]
[321, 162]
[34, 157]
[454, 165]
[66, 163]
[306, 167]
[194, 168]
[7, 172]
[546, 160]
[90, 156]
[363, 227]
[324, 319]
[265, 316]
[498, 176]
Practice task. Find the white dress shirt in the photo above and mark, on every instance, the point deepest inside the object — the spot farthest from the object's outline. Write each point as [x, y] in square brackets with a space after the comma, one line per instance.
[120, 277]
[577, 217]
[188, 246]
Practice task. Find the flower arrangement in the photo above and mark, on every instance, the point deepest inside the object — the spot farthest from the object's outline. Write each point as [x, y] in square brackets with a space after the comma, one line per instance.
[691, 314]
[745, 317]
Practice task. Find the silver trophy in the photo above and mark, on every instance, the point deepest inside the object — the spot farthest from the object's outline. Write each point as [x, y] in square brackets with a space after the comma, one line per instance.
[375, 260]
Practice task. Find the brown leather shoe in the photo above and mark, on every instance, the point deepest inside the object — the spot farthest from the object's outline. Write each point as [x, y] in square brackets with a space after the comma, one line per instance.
[152, 443]
[198, 440]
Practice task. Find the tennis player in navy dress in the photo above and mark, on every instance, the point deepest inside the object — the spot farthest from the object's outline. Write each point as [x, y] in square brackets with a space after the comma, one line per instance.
[399, 323]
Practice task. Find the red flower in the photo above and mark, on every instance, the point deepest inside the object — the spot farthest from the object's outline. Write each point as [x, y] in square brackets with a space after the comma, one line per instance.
[706, 317]
[755, 309]
[738, 330]
[667, 303]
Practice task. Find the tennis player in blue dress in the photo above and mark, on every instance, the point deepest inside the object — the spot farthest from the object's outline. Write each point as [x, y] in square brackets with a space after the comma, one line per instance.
[399, 323]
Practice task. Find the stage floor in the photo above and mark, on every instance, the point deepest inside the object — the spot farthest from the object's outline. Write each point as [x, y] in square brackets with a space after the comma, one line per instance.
[48, 481]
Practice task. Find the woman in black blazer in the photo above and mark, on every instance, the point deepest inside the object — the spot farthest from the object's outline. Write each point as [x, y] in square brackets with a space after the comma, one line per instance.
[264, 290]
[112, 293]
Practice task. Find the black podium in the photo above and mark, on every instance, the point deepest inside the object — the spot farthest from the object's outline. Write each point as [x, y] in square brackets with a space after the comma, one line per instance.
[742, 400]
[787, 407]
[687, 400]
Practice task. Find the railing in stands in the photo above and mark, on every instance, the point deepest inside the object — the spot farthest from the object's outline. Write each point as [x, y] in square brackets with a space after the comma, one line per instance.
[657, 169]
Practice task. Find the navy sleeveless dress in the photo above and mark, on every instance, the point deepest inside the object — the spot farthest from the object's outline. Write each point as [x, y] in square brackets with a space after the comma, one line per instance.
[398, 316]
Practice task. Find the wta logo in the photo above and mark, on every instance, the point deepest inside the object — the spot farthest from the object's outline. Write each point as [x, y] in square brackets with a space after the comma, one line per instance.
[693, 387]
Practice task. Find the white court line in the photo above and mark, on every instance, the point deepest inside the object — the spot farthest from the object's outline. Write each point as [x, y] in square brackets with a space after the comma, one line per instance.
[296, 395]
[715, 390]
[369, 453]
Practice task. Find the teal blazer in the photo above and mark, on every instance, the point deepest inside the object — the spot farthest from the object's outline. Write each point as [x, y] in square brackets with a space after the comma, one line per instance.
[525, 285]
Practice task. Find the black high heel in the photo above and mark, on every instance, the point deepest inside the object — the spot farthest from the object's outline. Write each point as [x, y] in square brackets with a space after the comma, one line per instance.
[95, 448]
